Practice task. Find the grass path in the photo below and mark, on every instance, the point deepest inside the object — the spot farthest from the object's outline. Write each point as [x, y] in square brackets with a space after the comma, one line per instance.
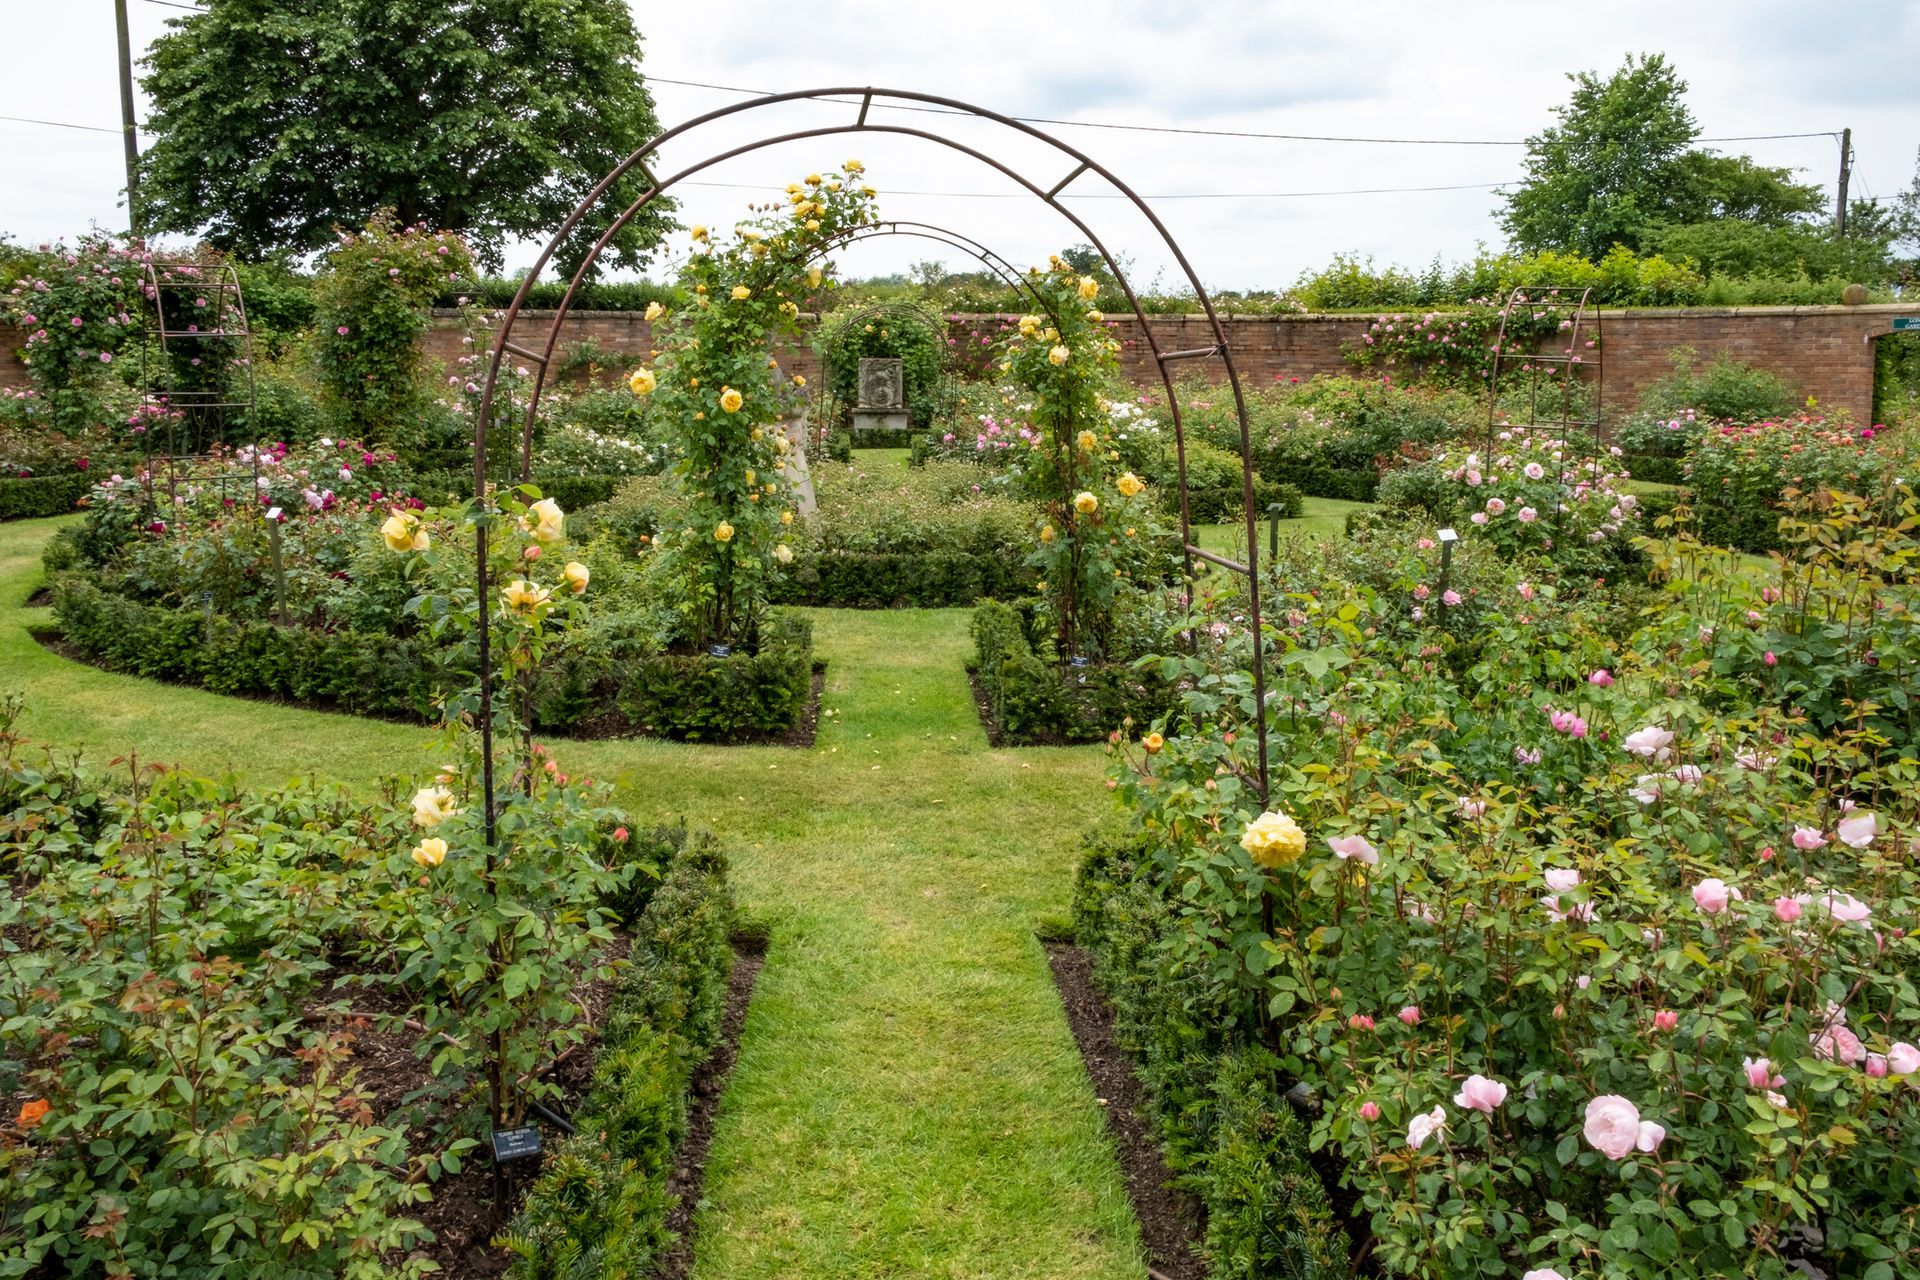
[908, 1100]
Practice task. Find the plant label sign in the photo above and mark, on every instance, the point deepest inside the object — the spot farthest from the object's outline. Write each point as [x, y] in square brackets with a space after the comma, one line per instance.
[1902, 324]
[515, 1144]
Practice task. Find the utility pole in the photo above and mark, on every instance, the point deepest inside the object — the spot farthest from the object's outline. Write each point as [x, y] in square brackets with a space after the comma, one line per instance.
[1846, 171]
[130, 138]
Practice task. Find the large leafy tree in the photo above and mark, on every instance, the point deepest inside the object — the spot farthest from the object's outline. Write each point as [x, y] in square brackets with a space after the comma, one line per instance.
[1620, 165]
[277, 120]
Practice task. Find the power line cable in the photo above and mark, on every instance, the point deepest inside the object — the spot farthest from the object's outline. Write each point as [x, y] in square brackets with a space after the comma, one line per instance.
[1224, 133]
[1114, 195]
[60, 124]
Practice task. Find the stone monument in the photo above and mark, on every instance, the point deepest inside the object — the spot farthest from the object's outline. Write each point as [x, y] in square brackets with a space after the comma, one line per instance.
[883, 395]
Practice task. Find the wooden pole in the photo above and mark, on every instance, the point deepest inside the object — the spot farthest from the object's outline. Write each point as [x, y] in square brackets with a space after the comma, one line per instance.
[129, 138]
[1846, 171]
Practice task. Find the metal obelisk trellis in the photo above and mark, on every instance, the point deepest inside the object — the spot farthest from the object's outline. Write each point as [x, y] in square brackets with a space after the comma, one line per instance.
[1569, 362]
[540, 354]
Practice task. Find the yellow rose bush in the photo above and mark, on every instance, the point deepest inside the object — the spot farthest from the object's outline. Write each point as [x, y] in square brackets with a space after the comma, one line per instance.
[717, 393]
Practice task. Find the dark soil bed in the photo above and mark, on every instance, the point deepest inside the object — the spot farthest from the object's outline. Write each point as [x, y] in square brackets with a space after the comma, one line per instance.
[1171, 1221]
[40, 599]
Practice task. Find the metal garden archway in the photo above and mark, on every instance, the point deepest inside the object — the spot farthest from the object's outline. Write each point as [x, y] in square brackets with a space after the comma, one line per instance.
[540, 354]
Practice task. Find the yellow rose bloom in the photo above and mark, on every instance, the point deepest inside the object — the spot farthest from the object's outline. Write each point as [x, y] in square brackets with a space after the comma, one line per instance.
[523, 597]
[1096, 316]
[655, 311]
[1130, 485]
[432, 806]
[813, 224]
[642, 382]
[723, 532]
[731, 400]
[1085, 503]
[1059, 355]
[867, 191]
[1046, 533]
[799, 379]
[741, 293]
[854, 166]
[545, 521]
[1274, 840]
[430, 852]
[1153, 742]
[1089, 288]
[783, 553]
[813, 179]
[751, 476]
[402, 532]
[1029, 325]
[786, 517]
[698, 232]
[1087, 440]
[814, 277]
[577, 576]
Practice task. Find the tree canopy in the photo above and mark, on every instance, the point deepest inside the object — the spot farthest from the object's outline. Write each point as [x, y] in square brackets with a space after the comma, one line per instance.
[275, 121]
[1620, 166]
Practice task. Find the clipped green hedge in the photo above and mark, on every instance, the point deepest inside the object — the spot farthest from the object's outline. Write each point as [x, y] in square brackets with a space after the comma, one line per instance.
[27, 497]
[1037, 702]
[1212, 506]
[1226, 1126]
[908, 579]
[601, 1204]
[1660, 470]
[884, 438]
[588, 688]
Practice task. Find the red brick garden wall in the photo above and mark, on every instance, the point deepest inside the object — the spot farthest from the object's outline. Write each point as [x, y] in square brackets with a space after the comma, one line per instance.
[1825, 352]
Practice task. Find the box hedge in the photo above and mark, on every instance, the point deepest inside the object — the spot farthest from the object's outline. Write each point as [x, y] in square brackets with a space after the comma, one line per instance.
[1036, 701]
[28, 497]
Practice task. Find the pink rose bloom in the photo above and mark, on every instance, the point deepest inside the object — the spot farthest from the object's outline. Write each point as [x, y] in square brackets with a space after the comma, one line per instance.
[1769, 659]
[1527, 515]
[1786, 910]
[1369, 1110]
[1525, 590]
[1807, 838]
[1847, 908]
[1543, 1273]
[1903, 1059]
[1665, 1020]
[1857, 830]
[1469, 807]
[1410, 1015]
[1422, 591]
[1425, 1126]
[1479, 517]
[1479, 1093]
[1612, 1126]
[1838, 1042]
[1876, 1065]
[1649, 1137]
[1602, 677]
[1649, 743]
[1712, 896]
[1581, 911]
[1561, 879]
[1760, 1074]
[1450, 598]
[1355, 848]
[1534, 470]
[1360, 1022]
[1496, 506]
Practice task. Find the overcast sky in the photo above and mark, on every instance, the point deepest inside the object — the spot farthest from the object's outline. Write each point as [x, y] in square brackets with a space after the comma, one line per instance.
[1470, 69]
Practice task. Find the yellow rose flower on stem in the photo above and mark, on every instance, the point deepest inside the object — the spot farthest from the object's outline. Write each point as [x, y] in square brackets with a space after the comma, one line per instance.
[655, 311]
[741, 293]
[430, 852]
[642, 382]
[813, 224]
[545, 521]
[1059, 355]
[731, 400]
[1085, 503]
[1130, 485]
[523, 597]
[1029, 325]
[1087, 440]
[786, 517]
[1089, 288]
[432, 806]
[402, 532]
[723, 532]
[1153, 742]
[752, 476]
[854, 166]
[1046, 533]
[577, 576]
[1274, 840]
[814, 277]
[698, 232]
[813, 179]
[799, 379]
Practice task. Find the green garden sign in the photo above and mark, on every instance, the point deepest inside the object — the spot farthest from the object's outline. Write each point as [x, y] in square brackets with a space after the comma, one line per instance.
[1902, 324]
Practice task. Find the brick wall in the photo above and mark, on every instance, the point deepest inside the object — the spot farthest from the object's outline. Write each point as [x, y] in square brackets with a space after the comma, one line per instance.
[1824, 352]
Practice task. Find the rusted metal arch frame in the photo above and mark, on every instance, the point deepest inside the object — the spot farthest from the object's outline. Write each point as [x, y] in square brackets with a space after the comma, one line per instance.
[1553, 298]
[225, 279]
[503, 343]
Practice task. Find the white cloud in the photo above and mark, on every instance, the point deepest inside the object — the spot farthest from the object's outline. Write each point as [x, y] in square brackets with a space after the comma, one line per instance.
[1370, 68]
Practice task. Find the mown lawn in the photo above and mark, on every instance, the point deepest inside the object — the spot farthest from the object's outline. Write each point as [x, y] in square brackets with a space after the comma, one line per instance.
[908, 1100]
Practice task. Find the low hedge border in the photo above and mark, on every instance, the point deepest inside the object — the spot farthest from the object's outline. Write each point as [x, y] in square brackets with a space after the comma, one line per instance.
[1226, 1128]
[1038, 704]
[30, 497]
[601, 1203]
[884, 437]
[1658, 469]
[1213, 506]
[593, 692]
[913, 579]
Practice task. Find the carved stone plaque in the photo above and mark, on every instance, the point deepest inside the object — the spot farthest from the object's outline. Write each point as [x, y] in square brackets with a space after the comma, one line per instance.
[882, 383]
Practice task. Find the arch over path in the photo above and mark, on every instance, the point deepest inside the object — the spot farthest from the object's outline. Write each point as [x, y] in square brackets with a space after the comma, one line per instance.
[540, 353]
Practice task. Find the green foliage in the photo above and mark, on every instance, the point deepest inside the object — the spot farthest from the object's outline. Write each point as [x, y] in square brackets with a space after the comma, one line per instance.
[24, 497]
[1739, 475]
[491, 120]
[1037, 700]
[700, 698]
[495, 293]
[1725, 389]
[70, 303]
[915, 334]
[1780, 251]
[600, 1206]
[370, 310]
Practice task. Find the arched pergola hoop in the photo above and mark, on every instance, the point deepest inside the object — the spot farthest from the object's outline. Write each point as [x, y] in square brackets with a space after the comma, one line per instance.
[1009, 274]
[1083, 163]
